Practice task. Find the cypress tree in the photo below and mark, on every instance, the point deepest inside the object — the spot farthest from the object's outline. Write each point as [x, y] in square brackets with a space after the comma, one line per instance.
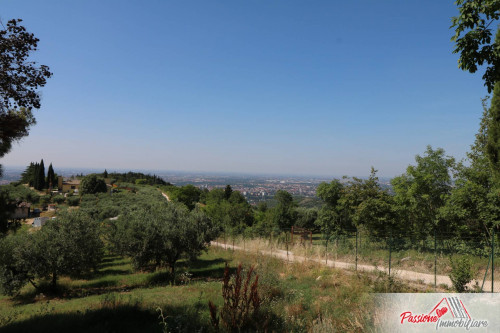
[41, 176]
[36, 174]
[51, 178]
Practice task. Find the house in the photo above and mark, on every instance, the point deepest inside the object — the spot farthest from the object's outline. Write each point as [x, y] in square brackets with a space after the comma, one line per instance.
[68, 185]
[52, 207]
[21, 211]
[39, 221]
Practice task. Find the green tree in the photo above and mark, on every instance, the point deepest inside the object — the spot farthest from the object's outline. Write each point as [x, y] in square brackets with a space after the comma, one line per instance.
[284, 214]
[51, 177]
[161, 235]
[422, 191]
[329, 217]
[91, 185]
[68, 245]
[41, 177]
[374, 209]
[20, 78]
[228, 191]
[473, 38]
[189, 195]
[473, 206]
[15, 272]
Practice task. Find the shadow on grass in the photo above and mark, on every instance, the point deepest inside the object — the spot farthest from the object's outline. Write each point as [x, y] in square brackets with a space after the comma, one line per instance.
[208, 269]
[200, 269]
[126, 318]
[109, 272]
[121, 318]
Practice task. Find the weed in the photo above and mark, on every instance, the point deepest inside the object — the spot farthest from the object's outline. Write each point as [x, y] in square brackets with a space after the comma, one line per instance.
[241, 301]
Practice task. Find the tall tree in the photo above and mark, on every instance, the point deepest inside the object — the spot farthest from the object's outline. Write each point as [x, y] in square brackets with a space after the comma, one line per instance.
[51, 177]
[41, 176]
[20, 79]
[284, 213]
[474, 204]
[422, 191]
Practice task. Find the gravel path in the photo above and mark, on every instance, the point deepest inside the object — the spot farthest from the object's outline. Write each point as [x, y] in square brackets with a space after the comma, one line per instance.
[402, 274]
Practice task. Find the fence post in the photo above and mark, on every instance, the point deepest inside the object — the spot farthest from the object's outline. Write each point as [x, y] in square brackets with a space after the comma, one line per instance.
[492, 257]
[435, 259]
[356, 250]
[390, 251]
[326, 252]
[286, 240]
[271, 242]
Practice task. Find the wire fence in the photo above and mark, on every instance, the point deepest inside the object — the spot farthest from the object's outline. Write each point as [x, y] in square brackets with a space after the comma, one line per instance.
[434, 260]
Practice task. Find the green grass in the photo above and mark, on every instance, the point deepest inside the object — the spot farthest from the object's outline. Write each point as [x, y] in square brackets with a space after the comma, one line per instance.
[118, 299]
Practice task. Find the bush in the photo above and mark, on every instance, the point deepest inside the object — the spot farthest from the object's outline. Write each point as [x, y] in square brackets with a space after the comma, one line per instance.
[461, 273]
[58, 199]
[73, 201]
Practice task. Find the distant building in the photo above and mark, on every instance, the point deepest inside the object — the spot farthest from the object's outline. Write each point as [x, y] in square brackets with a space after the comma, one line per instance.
[39, 221]
[68, 185]
[22, 211]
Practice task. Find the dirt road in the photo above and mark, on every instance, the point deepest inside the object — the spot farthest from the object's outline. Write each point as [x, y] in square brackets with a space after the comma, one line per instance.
[402, 274]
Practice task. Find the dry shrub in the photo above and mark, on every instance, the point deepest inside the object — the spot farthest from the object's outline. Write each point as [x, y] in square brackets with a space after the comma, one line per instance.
[241, 302]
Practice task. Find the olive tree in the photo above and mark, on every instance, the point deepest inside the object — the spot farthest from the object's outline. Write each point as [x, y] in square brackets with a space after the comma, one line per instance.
[161, 235]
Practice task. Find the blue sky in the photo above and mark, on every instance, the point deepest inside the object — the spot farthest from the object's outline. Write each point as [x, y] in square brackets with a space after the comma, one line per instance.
[291, 87]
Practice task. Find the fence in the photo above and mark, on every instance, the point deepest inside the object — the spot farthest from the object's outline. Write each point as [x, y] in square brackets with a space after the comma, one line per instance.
[430, 260]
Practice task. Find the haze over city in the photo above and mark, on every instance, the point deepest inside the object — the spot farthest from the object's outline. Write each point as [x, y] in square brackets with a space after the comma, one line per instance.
[285, 87]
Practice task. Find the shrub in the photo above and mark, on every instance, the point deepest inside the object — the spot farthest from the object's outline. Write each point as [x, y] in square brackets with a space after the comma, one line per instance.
[461, 273]
[241, 302]
[73, 201]
[58, 199]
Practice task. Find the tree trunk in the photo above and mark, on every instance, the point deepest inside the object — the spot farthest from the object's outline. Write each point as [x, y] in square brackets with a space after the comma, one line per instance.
[54, 281]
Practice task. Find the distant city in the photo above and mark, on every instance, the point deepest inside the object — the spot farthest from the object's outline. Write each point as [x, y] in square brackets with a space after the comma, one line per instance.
[254, 187]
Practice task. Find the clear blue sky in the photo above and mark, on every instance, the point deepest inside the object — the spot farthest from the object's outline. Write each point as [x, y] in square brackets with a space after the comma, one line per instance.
[292, 87]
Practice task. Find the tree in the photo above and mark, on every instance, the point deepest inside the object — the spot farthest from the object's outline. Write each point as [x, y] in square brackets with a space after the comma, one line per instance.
[19, 82]
[14, 272]
[473, 38]
[41, 177]
[284, 214]
[330, 217]
[189, 195]
[160, 235]
[473, 206]
[91, 185]
[51, 177]
[422, 191]
[68, 245]
[227, 192]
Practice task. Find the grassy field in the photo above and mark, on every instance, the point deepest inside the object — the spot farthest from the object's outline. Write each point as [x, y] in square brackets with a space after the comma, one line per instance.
[296, 297]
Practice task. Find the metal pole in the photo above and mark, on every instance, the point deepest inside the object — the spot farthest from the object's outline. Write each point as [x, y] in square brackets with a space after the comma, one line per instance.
[390, 251]
[356, 249]
[492, 257]
[435, 259]
[286, 240]
[326, 252]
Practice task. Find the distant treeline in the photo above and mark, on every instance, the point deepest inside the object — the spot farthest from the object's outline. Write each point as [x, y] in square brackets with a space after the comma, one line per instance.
[135, 177]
